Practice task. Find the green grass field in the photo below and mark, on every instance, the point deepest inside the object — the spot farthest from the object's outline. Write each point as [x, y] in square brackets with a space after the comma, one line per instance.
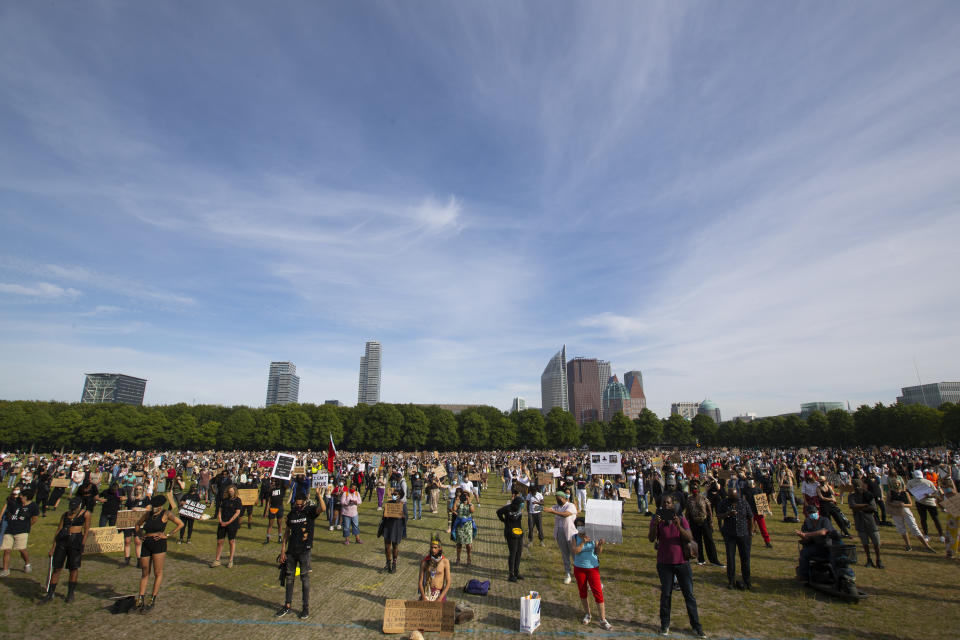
[916, 596]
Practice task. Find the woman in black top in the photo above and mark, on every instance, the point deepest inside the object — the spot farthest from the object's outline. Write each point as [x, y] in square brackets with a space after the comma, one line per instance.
[138, 502]
[194, 496]
[68, 547]
[110, 498]
[153, 551]
[511, 515]
[230, 509]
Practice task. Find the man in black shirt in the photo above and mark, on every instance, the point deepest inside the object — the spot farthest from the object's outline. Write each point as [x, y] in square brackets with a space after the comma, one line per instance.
[229, 520]
[813, 534]
[297, 542]
[20, 516]
[274, 510]
[736, 518]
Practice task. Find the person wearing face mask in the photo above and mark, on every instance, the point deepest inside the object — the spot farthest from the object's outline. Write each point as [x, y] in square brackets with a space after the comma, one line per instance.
[350, 514]
[511, 515]
[564, 528]
[393, 530]
[137, 502]
[951, 529]
[335, 513]
[68, 547]
[864, 507]
[464, 529]
[295, 550]
[813, 534]
[153, 551]
[700, 515]
[586, 569]
[434, 579]
[737, 528]
[416, 493]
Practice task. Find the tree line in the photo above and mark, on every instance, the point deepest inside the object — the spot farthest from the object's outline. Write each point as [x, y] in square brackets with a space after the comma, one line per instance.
[48, 426]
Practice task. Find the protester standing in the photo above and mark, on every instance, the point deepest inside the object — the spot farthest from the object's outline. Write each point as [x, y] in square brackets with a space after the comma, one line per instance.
[737, 527]
[534, 516]
[700, 516]
[671, 534]
[295, 550]
[864, 507]
[68, 547]
[463, 526]
[433, 583]
[228, 524]
[564, 528]
[19, 521]
[153, 551]
[349, 513]
[511, 515]
[586, 569]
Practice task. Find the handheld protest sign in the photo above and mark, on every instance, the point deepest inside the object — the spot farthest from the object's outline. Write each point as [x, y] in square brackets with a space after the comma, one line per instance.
[605, 462]
[604, 519]
[440, 472]
[283, 466]
[248, 497]
[473, 477]
[952, 504]
[319, 480]
[375, 461]
[392, 509]
[624, 493]
[404, 616]
[691, 469]
[103, 540]
[762, 504]
[192, 509]
[676, 457]
[128, 519]
[95, 478]
[62, 483]
[545, 479]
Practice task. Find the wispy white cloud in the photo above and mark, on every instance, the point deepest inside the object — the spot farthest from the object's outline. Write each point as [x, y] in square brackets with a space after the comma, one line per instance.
[44, 290]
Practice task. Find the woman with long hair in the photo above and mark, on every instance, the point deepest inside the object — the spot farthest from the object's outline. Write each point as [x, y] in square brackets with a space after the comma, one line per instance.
[393, 530]
[899, 502]
[153, 550]
[464, 527]
[138, 502]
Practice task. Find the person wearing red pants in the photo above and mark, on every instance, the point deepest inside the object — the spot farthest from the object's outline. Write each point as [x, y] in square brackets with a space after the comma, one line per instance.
[748, 492]
[586, 569]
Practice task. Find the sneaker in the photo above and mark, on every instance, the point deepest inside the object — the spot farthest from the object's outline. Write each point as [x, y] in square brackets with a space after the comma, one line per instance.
[700, 564]
[346, 541]
[179, 541]
[358, 541]
[880, 565]
[568, 579]
[304, 614]
[331, 527]
[512, 579]
[267, 541]
[943, 539]
[230, 564]
[869, 562]
[215, 563]
[282, 611]
[586, 619]
[339, 527]
[518, 576]
[606, 626]
[4, 573]
[541, 544]
[768, 545]
[700, 633]
[27, 568]
[664, 631]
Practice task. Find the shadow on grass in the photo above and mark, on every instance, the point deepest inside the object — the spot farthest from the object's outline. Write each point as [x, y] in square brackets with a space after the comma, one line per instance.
[23, 588]
[230, 595]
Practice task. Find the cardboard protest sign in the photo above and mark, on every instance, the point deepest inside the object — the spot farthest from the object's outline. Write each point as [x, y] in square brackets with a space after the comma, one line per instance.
[545, 479]
[248, 497]
[952, 504]
[319, 480]
[299, 470]
[392, 509]
[605, 462]
[283, 466]
[404, 616]
[604, 519]
[691, 469]
[103, 540]
[762, 504]
[128, 519]
[624, 493]
[440, 472]
[192, 509]
[60, 482]
[656, 461]
[726, 473]
[473, 477]
[513, 464]
[95, 478]
[555, 471]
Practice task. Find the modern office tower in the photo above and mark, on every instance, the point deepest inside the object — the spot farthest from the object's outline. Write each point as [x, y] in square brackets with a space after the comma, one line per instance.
[584, 395]
[113, 387]
[283, 383]
[685, 409]
[519, 404]
[335, 403]
[553, 382]
[615, 398]
[370, 362]
[823, 407]
[633, 380]
[709, 408]
[932, 395]
[604, 372]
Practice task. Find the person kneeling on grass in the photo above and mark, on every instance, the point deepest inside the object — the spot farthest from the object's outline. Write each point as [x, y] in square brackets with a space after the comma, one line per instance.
[586, 570]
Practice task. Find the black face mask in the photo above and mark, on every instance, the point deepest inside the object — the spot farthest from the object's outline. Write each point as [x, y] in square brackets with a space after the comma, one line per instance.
[560, 501]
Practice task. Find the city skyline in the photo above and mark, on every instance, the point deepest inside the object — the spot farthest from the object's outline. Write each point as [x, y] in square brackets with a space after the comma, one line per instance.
[753, 202]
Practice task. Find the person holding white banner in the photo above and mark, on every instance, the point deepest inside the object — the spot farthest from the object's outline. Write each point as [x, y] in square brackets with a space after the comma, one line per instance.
[586, 568]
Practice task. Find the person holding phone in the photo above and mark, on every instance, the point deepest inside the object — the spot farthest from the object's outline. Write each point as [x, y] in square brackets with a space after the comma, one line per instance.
[736, 518]
[586, 570]
[671, 532]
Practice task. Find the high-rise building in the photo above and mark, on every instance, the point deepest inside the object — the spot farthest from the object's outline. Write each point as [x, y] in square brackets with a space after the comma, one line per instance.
[604, 371]
[553, 382]
[519, 404]
[808, 408]
[932, 395]
[335, 403]
[584, 394]
[615, 398]
[686, 409]
[633, 380]
[370, 362]
[709, 408]
[283, 383]
[113, 387]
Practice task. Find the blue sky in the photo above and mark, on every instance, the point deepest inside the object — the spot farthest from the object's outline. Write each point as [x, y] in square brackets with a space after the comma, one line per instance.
[755, 202]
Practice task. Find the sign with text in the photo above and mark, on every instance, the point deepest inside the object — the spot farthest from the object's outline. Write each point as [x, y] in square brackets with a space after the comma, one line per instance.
[952, 504]
[545, 479]
[392, 509]
[299, 470]
[62, 483]
[762, 504]
[676, 457]
[691, 469]
[604, 520]
[473, 477]
[248, 497]
[605, 462]
[192, 509]
[103, 540]
[624, 493]
[375, 461]
[128, 519]
[283, 466]
[319, 480]
[440, 472]
[404, 616]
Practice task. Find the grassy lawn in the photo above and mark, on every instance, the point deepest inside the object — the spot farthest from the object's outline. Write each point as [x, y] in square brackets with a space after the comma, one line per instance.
[348, 589]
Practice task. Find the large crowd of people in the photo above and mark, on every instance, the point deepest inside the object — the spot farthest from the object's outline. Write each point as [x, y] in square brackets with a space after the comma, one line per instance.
[691, 496]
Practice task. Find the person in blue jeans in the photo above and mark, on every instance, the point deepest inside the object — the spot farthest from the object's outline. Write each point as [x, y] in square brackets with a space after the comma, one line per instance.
[671, 531]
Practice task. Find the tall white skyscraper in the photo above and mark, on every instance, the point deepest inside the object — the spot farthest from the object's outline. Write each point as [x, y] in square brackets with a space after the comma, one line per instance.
[553, 383]
[605, 371]
[519, 404]
[283, 383]
[369, 387]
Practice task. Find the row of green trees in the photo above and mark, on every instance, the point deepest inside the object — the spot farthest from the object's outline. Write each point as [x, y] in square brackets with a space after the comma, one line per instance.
[47, 426]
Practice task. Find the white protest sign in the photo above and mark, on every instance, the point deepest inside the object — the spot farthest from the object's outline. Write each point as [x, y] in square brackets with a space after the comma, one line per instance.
[192, 509]
[604, 520]
[605, 462]
[319, 480]
[921, 491]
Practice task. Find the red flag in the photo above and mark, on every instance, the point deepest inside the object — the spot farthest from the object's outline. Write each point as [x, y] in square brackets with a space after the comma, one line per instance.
[331, 455]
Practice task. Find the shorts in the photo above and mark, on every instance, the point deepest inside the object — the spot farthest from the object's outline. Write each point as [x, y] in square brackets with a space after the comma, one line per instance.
[246, 511]
[229, 532]
[591, 577]
[14, 541]
[275, 512]
[869, 536]
[152, 547]
[72, 557]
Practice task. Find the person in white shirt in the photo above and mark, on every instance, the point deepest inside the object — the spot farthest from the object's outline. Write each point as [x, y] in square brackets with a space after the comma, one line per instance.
[534, 516]
[564, 528]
